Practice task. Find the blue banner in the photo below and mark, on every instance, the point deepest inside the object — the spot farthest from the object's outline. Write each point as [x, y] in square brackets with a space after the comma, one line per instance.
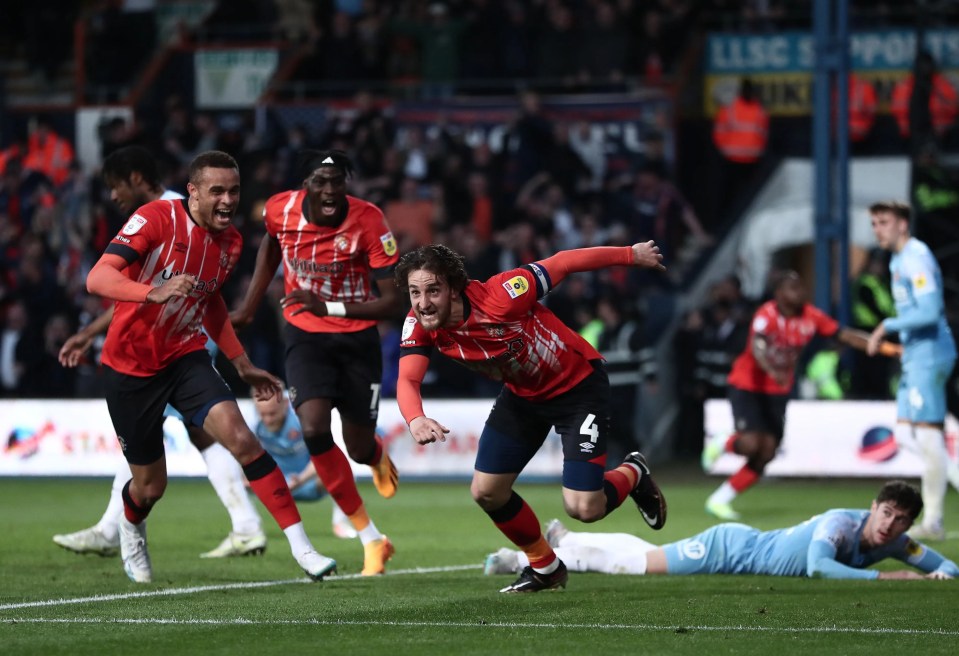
[794, 52]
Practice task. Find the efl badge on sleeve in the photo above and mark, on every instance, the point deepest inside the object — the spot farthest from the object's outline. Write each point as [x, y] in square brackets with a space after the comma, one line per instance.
[389, 243]
[516, 286]
[134, 224]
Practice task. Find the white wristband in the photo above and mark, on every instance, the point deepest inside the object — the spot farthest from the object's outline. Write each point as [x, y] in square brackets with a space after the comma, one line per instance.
[334, 309]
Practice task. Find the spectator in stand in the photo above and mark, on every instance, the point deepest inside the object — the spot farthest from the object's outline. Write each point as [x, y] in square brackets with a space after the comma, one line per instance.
[529, 141]
[48, 152]
[705, 347]
[924, 102]
[589, 142]
[658, 211]
[558, 50]
[863, 104]
[606, 44]
[741, 134]
[412, 216]
[15, 345]
[872, 302]
[439, 42]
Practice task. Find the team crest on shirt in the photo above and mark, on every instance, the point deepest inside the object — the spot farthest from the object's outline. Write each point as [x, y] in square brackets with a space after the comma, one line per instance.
[341, 243]
[516, 286]
[134, 224]
[389, 243]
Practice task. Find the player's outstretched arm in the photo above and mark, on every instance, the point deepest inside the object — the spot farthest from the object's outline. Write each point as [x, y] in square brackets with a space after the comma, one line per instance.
[76, 345]
[860, 339]
[644, 255]
[423, 429]
[267, 260]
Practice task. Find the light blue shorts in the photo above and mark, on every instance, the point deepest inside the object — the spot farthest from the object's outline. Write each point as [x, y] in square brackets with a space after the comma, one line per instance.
[720, 549]
[921, 397]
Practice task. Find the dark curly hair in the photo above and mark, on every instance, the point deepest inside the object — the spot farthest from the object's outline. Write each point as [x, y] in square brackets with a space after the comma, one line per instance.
[435, 258]
[902, 495]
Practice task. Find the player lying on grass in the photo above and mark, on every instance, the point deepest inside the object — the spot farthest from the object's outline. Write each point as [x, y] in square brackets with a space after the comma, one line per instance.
[838, 544]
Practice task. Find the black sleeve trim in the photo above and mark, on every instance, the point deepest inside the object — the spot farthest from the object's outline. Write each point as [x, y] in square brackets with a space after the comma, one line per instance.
[416, 350]
[384, 272]
[126, 252]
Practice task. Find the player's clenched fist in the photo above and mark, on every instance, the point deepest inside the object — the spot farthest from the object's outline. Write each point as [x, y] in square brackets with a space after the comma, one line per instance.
[176, 287]
[646, 254]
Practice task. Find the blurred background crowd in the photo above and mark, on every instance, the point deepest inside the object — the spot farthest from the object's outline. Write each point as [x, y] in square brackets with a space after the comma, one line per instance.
[545, 180]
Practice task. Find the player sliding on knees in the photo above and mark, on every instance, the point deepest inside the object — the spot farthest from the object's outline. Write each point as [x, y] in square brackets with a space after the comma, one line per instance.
[551, 376]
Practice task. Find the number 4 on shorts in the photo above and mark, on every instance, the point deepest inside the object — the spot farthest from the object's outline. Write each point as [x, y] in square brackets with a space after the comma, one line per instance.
[590, 428]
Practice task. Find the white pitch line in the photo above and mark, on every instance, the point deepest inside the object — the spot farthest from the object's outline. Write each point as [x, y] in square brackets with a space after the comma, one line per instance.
[496, 625]
[214, 588]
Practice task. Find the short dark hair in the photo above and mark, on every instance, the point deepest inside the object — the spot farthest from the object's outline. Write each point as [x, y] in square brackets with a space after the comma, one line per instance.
[902, 495]
[124, 162]
[211, 159]
[435, 258]
[897, 208]
[310, 160]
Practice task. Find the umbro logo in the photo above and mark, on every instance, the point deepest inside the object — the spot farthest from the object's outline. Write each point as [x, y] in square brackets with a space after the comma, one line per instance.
[586, 447]
[180, 247]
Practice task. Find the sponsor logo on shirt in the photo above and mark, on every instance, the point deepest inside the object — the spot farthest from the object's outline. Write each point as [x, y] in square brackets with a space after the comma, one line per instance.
[516, 286]
[586, 447]
[134, 224]
[122, 238]
[919, 281]
[389, 244]
[913, 548]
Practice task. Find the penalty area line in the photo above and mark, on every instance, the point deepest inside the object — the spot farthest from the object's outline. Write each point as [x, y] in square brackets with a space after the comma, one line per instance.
[494, 625]
[169, 592]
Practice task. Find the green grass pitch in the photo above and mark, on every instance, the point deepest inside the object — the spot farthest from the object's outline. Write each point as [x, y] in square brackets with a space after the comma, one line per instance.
[435, 599]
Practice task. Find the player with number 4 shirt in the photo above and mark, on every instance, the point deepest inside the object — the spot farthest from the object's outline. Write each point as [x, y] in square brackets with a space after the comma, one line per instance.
[552, 378]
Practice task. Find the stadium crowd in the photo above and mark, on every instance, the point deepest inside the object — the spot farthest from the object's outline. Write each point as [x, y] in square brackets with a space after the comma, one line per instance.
[551, 187]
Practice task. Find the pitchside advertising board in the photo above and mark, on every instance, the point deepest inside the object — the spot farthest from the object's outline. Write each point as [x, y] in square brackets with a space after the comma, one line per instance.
[76, 438]
[781, 65]
[832, 438]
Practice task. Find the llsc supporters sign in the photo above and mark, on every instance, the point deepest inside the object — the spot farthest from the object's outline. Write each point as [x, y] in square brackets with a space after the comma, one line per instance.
[781, 64]
[76, 438]
[832, 438]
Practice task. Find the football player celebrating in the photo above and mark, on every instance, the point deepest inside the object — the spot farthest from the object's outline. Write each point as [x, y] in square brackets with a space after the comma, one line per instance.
[331, 246]
[165, 270]
[551, 376]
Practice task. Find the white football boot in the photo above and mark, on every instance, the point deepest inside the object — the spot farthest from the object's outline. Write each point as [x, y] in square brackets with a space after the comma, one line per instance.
[89, 541]
[237, 544]
[315, 564]
[133, 551]
[504, 561]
